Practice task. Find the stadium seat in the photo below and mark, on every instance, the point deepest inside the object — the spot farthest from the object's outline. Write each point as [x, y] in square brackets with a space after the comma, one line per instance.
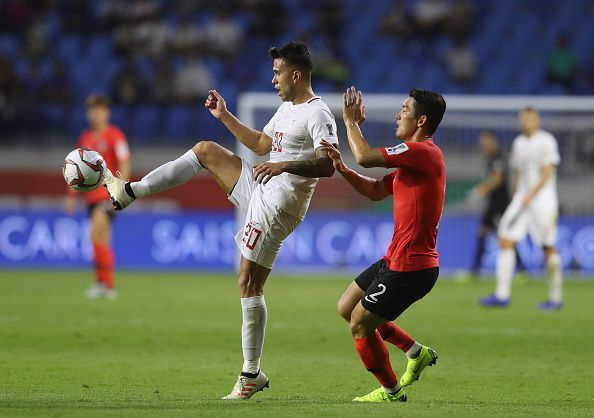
[68, 47]
[146, 123]
[178, 122]
[9, 45]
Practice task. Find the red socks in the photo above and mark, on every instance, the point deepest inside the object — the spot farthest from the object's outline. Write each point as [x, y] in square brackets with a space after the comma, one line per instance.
[393, 334]
[375, 357]
[104, 264]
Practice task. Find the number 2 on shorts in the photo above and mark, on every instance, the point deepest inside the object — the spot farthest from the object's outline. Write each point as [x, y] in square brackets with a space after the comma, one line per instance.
[372, 298]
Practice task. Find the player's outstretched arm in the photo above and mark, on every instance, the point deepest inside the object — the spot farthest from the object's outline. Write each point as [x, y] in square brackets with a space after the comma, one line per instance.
[257, 141]
[491, 183]
[353, 113]
[371, 188]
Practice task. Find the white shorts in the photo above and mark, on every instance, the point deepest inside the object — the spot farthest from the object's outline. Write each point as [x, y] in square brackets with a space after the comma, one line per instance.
[540, 221]
[265, 227]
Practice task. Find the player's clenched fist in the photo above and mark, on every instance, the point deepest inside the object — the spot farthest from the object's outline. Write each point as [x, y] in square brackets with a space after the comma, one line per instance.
[215, 104]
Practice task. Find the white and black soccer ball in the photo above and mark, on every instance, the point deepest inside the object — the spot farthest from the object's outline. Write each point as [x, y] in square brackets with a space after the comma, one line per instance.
[83, 169]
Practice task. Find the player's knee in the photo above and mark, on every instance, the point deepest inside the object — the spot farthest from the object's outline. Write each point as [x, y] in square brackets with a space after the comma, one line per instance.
[99, 238]
[359, 329]
[204, 150]
[344, 310]
[505, 243]
[249, 286]
[549, 252]
[98, 234]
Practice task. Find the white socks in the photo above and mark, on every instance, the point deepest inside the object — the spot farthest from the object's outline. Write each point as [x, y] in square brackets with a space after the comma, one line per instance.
[504, 272]
[554, 278]
[170, 174]
[394, 390]
[253, 330]
[413, 350]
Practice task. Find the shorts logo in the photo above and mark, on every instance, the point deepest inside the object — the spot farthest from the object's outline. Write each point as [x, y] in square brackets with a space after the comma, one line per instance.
[398, 149]
[251, 235]
[330, 129]
[372, 298]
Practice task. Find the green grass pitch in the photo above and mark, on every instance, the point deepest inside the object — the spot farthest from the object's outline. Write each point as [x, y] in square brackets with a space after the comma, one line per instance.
[170, 346]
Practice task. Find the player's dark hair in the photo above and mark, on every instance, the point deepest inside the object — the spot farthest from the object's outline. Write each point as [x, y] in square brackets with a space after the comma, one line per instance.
[430, 104]
[295, 54]
[530, 109]
[97, 100]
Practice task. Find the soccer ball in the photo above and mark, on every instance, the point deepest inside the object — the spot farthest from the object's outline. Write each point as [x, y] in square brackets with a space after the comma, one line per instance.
[83, 169]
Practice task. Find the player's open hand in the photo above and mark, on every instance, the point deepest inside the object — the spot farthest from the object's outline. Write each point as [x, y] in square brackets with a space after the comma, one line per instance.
[215, 104]
[335, 156]
[353, 110]
[265, 171]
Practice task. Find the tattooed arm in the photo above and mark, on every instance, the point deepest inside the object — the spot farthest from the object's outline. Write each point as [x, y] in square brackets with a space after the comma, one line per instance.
[321, 166]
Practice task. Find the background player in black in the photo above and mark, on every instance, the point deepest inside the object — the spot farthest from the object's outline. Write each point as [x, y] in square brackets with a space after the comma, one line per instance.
[494, 189]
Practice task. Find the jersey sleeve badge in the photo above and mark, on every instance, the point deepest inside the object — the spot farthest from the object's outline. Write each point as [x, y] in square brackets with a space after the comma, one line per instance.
[398, 149]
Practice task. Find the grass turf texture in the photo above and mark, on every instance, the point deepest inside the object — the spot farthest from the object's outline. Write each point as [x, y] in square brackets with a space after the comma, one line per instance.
[170, 346]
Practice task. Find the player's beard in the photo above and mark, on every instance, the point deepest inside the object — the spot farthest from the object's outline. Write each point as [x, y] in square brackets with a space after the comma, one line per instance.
[287, 95]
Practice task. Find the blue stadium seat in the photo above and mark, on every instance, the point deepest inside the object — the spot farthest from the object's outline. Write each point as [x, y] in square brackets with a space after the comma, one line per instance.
[9, 45]
[178, 122]
[146, 124]
[56, 116]
[121, 116]
[68, 47]
[100, 46]
[77, 122]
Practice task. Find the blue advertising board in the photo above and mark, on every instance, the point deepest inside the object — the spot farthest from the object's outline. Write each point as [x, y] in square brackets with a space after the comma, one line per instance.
[204, 240]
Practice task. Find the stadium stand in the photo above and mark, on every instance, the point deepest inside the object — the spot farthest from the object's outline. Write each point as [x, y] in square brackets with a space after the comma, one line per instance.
[511, 58]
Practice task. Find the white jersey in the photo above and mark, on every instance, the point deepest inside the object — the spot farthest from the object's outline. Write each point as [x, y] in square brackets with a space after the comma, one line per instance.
[296, 131]
[528, 157]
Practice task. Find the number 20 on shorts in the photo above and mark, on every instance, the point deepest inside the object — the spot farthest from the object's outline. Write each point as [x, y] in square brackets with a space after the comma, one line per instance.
[251, 235]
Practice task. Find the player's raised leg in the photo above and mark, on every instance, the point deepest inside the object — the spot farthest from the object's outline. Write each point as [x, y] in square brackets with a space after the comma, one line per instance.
[252, 277]
[222, 164]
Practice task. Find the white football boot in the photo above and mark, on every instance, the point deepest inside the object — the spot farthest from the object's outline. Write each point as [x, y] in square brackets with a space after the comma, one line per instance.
[116, 187]
[96, 291]
[245, 386]
[110, 294]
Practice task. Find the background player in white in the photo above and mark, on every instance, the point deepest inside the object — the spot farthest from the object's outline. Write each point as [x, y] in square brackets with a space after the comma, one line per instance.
[275, 194]
[534, 209]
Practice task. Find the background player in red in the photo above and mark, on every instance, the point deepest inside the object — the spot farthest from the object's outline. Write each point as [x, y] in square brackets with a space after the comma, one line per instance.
[410, 267]
[111, 142]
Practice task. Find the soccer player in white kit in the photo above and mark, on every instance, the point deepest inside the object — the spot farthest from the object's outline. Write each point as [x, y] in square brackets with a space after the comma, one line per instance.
[534, 209]
[275, 194]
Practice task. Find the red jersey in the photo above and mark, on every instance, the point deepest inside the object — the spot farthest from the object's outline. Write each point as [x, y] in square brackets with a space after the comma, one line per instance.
[418, 186]
[112, 144]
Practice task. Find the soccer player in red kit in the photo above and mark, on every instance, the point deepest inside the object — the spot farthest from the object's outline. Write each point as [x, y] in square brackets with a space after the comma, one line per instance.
[110, 142]
[410, 267]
